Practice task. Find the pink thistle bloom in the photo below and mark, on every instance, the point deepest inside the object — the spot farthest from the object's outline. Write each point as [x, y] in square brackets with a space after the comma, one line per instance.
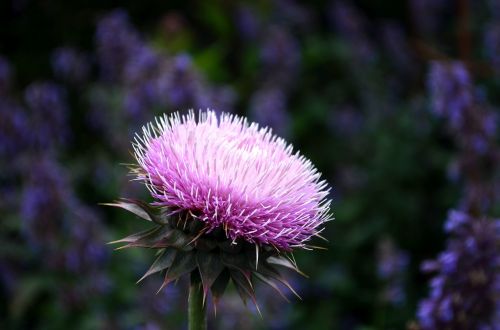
[232, 174]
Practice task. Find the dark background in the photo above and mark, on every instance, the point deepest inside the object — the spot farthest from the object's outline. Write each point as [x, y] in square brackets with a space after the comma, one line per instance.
[345, 82]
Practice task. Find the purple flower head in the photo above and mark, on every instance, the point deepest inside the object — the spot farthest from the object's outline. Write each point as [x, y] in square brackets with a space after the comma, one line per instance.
[116, 41]
[14, 129]
[451, 91]
[86, 252]
[232, 174]
[397, 47]
[350, 25]
[247, 22]
[456, 220]
[181, 84]
[70, 65]
[49, 113]
[143, 64]
[140, 99]
[42, 202]
[346, 121]
[464, 292]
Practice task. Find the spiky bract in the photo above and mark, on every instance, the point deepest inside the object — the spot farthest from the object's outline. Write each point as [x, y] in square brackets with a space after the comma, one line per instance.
[184, 247]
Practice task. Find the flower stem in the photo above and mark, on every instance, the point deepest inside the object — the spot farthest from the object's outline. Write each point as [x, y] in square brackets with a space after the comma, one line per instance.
[197, 309]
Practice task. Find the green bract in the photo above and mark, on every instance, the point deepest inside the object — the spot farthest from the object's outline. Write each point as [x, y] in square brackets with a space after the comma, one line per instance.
[184, 247]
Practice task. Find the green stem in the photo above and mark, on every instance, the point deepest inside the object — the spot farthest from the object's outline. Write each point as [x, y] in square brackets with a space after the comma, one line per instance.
[197, 309]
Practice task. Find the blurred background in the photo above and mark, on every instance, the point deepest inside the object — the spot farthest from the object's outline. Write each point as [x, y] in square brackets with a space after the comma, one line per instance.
[396, 102]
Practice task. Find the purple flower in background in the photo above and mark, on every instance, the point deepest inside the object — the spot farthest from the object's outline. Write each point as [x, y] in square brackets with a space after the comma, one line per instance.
[140, 98]
[14, 129]
[5, 75]
[465, 290]
[350, 25]
[451, 91]
[116, 42]
[48, 116]
[144, 63]
[70, 65]
[268, 108]
[42, 203]
[280, 56]
[222, 99]
[397, 47]
[252, 184]
[65, 234]
[148, 80]
[473, 124]
[181, 85]
[392, 265]
[247, 22]
[157, 304]
[86, 251]
[346, 120]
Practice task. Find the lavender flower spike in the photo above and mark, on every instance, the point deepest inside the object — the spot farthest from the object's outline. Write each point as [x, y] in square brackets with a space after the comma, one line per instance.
[233, 174]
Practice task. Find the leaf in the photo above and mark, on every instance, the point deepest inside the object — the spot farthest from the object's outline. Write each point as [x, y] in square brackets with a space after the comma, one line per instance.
[219, 286]
[131, 207]
[235, 261]
[195, 226]
[163, 261]
[238, 262]
[210, 267]
[151, 240]
[271, 284]
[161, 219]
[141, 209]
[269, 271]
[176, 238]
[284, 262]
[228, 247]
[244, 287]
[136, 236]
[203, 244]
[184, 262]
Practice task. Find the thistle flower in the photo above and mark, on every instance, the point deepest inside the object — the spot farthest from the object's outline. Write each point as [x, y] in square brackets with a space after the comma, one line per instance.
[254, 185]
[231, 200]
